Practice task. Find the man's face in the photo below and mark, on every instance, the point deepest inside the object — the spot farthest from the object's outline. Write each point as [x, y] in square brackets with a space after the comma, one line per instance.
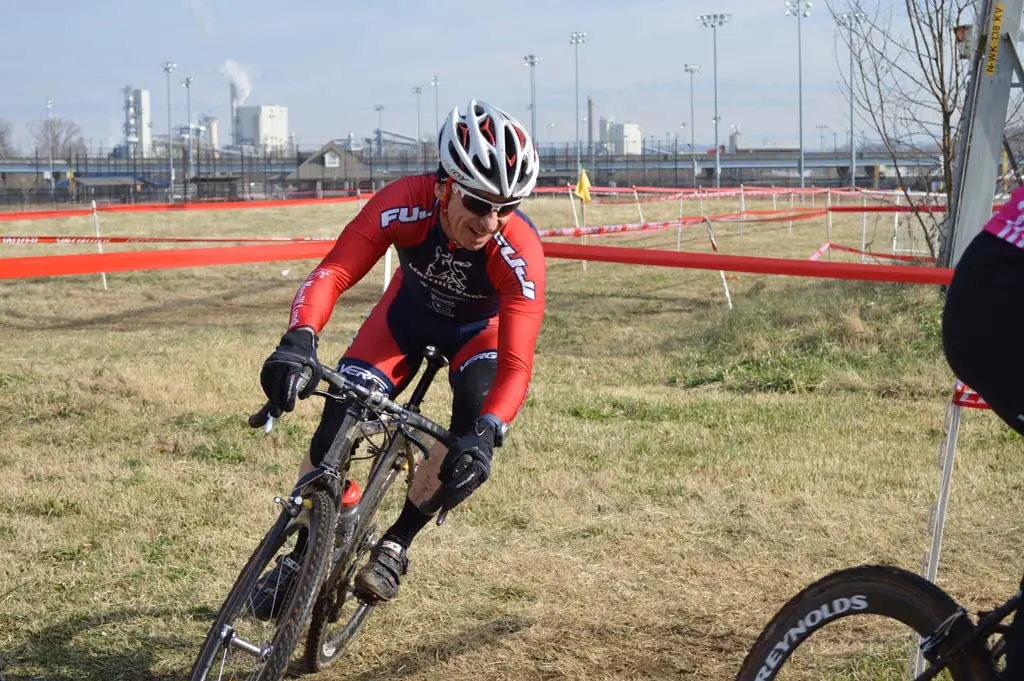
[474, 217]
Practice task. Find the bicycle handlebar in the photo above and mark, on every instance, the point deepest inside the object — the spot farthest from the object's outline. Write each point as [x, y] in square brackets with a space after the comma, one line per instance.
[371, 397]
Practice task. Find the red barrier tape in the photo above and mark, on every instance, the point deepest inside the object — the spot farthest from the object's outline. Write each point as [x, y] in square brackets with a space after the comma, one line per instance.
[887, 256]
[157, 239]
[57, 265]
[175, 207]
[749, 217]
[740, 263]
[44, 214]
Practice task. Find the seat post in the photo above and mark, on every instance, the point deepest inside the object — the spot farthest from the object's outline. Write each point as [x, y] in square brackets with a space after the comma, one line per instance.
[435, 362]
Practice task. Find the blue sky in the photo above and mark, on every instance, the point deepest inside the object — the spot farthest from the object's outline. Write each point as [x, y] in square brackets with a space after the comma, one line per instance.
[332, 61]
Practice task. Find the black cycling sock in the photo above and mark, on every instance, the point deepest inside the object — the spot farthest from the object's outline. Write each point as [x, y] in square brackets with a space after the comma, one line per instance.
[408, 525]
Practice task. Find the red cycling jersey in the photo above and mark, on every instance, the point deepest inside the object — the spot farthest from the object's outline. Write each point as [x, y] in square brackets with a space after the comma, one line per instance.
[443, 286]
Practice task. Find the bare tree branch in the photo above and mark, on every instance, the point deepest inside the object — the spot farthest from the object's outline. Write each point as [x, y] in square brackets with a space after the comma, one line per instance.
[7, 147]
[63, 134]
[909, 86]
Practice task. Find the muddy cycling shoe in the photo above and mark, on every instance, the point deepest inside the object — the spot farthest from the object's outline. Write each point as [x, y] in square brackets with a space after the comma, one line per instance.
[271, 590]
[380, 577]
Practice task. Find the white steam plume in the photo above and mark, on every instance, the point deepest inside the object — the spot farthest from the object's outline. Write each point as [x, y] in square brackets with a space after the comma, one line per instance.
[234, 72]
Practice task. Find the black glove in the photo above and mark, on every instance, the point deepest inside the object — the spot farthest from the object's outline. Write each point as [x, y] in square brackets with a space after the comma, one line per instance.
[283, 374]
[467, 464]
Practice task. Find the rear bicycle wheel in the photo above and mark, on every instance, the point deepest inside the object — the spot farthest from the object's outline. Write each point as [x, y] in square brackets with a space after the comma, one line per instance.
[240, 646]
[859, 624]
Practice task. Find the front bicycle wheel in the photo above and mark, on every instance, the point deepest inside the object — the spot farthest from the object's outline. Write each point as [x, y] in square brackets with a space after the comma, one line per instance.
[340, 613]
[865, 623]
[241, 646]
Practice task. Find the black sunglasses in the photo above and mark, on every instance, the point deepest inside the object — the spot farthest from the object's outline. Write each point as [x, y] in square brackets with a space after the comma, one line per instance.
[481, 207]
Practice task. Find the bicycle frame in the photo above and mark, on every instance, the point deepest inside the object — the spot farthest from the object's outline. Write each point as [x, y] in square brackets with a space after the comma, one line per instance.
[952, 636]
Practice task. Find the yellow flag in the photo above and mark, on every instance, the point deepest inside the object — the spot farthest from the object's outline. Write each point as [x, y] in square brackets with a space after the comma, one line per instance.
[583, 186]
[71, 180]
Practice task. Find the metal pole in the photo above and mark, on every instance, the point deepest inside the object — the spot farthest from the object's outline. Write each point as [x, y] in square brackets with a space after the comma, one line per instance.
[718, 157]
[853, 148]
[799, 9]
[851, 18]
[692, 69]
[713, 21]
[169, 67]
[187, 84]
[800, 92]
[531, 61]
[576, 39]
[419, 142]
[49, 146]
[380, 124]
[437, 120]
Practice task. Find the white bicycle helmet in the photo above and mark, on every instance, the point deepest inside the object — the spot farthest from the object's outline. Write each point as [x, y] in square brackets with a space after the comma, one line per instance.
[488, 150]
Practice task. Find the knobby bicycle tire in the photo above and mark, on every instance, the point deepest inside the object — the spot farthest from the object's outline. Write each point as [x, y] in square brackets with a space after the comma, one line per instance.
[321, 514]
[878, 590]
[316, 657]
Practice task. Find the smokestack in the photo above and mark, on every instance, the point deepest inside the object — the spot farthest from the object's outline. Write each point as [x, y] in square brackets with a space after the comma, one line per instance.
[234, 114]
[590, 128]
[241, 86]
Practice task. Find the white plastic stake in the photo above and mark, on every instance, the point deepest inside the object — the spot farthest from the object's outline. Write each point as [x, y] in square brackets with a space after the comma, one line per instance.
[864, 229]
[895, 225]
[828, 221]
[714, 246]
[576, 221]
[638, 208]
[679, 229]
[99, 244]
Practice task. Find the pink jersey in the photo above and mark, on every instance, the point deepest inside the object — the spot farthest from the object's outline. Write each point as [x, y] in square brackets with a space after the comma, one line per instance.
[1008, 223]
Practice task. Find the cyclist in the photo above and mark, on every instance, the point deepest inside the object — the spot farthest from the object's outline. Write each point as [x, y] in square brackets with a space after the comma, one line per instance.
[470, 282]
[981, 321]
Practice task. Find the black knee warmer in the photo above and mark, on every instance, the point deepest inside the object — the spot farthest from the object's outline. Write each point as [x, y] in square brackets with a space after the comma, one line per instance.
[469, 390]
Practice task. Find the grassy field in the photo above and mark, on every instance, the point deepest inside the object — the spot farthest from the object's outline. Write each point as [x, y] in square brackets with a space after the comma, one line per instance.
[678, 470]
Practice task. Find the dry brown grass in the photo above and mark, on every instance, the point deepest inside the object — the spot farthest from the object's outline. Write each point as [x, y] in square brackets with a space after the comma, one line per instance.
[646, 519]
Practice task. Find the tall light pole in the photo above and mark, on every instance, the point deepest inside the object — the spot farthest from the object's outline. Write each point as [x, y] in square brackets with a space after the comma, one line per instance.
[713, 21]
[576, 39]
[821, 135]
[168, 67]
[531, 61]
[850, 19]
[419, 142]
[799, 9]
[380, 125]
[694, 69]
[49, 144]
[186, 83]
[437, 119]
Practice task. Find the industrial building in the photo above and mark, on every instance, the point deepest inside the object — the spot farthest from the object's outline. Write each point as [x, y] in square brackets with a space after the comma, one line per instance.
[619, 139]
[263, 127]
[138, 123]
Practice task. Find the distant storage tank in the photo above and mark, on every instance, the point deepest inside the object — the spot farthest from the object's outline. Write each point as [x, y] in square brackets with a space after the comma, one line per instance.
[131, 132]
[143, 123]
[213, 132]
